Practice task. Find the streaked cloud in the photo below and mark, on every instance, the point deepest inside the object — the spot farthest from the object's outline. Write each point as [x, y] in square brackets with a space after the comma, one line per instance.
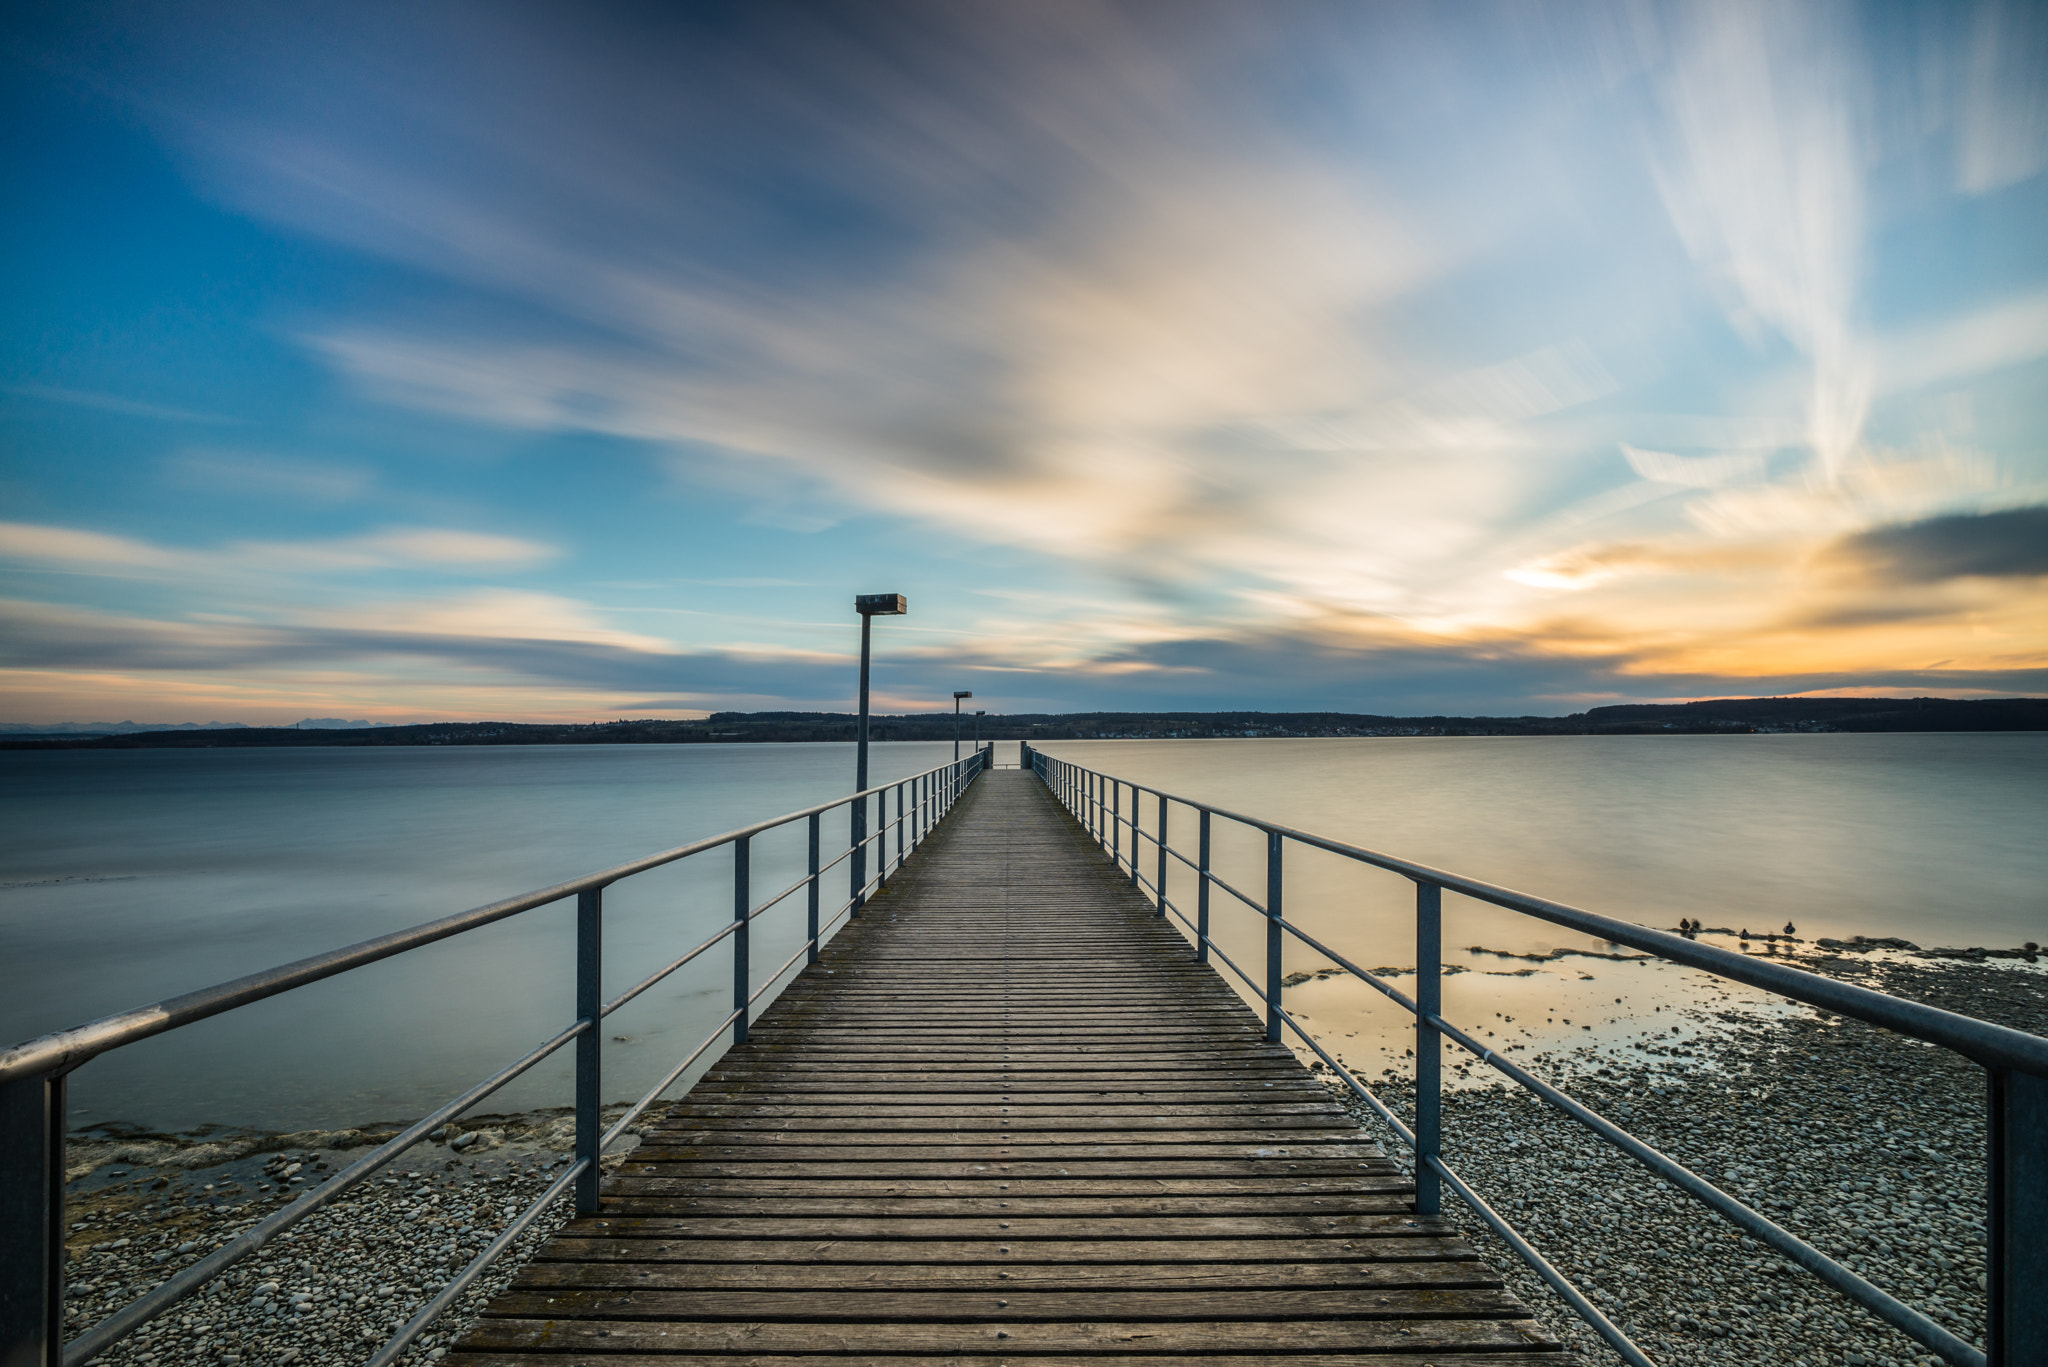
[393, 548]
[115, 403]
[263, 475]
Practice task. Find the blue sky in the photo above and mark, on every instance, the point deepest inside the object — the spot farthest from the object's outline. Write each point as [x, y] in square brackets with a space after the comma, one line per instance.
[563, 361]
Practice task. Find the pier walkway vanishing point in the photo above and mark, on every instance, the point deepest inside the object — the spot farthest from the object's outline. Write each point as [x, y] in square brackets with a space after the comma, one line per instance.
[1007, 1116]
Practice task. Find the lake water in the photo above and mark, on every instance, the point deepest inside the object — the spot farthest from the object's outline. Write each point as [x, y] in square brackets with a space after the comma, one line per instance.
[1935, 838]
[129, 876]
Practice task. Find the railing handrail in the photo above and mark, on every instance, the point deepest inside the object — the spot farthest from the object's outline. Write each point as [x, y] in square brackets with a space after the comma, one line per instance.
[2002, 1051]
[32, 1074]
[63, 1050]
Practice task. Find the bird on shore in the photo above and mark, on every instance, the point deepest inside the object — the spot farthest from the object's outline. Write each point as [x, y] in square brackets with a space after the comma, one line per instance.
[1791, 929]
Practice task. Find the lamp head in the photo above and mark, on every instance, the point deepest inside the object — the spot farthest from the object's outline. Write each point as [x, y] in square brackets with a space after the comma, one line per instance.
[963, 695]
[880, 604]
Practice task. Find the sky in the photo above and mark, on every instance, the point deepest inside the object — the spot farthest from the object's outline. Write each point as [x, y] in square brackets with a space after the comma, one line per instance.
[571, 361]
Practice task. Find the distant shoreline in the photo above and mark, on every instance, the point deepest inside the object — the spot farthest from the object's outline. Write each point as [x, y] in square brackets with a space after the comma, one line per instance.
[1725, 716]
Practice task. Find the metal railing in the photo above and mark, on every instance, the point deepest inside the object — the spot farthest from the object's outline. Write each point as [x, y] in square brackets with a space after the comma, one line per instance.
[2016, 1063]
[32, 1075]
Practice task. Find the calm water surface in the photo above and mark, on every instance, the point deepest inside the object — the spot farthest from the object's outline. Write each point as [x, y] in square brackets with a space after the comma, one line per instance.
[133, 875]
[1934, 838]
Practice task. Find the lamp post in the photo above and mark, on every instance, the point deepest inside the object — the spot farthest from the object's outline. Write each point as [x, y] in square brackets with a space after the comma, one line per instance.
[956, 724]
[869, 606]
[978, 715]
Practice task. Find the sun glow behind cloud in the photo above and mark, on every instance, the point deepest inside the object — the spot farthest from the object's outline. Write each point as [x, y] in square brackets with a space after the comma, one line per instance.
[1547, 354]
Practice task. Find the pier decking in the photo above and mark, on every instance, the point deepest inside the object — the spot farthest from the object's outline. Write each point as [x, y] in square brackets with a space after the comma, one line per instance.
[1007, 1117]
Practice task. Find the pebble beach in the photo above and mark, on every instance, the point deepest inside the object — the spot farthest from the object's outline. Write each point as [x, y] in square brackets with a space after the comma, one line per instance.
[1866, 1144]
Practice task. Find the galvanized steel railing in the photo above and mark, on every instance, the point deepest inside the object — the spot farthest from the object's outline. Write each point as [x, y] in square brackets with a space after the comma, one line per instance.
[2016, 1063]
[32, 1075]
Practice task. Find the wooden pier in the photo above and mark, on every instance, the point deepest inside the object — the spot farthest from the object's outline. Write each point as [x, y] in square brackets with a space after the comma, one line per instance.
[1007, 1117]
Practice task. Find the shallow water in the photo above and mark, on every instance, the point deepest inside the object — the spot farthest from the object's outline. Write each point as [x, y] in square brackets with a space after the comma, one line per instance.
[134, 875]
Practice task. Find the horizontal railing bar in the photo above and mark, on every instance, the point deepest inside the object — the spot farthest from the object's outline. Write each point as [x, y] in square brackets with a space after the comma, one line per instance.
[63, 1050]
[633, 1114]
[1239, 896]
[140, 1311]
[1993, 1045]
[776, 976]
[1587, 1311]
[616, 1002]
[1557, 1280]
[1889, 1308]
[1365, 1093]
[432, 1310]
[779, 898]
[1392, 992]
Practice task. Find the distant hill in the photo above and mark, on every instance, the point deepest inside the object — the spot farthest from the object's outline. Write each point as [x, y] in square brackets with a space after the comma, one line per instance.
[109, 728]
[1721, 716]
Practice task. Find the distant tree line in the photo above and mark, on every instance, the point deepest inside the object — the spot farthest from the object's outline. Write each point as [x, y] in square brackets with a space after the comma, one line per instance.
[1719, 716]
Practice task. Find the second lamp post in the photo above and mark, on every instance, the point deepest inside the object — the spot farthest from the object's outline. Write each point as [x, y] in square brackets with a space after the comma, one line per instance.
[956, 724]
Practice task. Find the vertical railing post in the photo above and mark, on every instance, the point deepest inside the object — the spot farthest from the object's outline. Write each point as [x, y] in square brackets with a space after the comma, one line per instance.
[881, 839]
[900, 823]
[811, 912]
[589, 1050]
[1137, 825]
[743, 923]
[2018, 1125]
[32, 1126]
[1429, 1001]
[1202, 896]
[857, 859]
[1274, 941]
[1161, 883]
[1116, 822]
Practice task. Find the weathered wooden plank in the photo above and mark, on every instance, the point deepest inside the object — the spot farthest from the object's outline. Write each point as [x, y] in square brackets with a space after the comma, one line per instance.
[1007, 1306]
[1021, 1276]
[1009, 1166]
[1010, 1226]
[1411, 1245]
[940, 1109]
[1535, 1357]
[815, 1185]
[660, 1145]
[664, 1197]
[1284, 1338]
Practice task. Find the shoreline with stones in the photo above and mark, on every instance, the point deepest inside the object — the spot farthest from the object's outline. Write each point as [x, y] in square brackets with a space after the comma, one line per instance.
[1867, 1144]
